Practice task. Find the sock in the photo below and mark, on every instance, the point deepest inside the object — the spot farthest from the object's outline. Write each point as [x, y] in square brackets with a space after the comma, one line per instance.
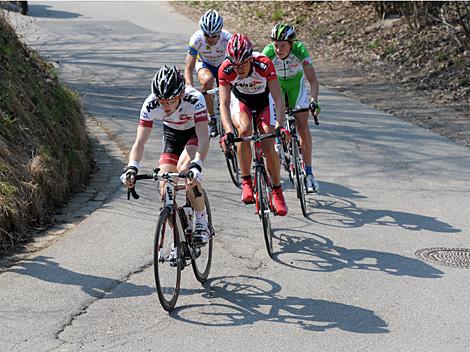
[200, 217]
[277, 187]
[200, 214]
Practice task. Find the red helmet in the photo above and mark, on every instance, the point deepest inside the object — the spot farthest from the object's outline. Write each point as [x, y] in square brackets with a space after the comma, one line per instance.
[239, 48]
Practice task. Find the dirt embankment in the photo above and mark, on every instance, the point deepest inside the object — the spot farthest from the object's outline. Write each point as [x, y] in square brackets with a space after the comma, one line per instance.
[420, 76]
[44, 148]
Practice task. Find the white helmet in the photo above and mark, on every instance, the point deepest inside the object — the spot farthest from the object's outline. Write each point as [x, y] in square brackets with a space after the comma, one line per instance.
[211, 22]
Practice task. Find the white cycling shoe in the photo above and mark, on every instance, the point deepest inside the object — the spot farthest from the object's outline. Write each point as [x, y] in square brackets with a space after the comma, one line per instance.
[312, 184]
[201, 234]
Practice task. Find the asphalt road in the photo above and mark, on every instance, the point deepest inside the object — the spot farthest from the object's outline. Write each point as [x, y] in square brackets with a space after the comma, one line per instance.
[344, 279]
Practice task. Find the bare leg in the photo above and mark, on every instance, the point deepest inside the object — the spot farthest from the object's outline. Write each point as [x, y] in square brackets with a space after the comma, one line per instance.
[206, 79]
[273, 163]
[304, 136]
[183, 166]
[242, 122]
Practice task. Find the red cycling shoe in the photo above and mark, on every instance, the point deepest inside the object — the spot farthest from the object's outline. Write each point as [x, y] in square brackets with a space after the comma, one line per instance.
[247, 192]
[279, 203]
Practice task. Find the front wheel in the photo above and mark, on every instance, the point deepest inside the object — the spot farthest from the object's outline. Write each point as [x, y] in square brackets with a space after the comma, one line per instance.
[202, 264]
[262, 198]
[167, 260]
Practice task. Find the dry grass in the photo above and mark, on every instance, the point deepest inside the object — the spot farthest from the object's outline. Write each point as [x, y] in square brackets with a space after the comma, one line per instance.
[44, 148]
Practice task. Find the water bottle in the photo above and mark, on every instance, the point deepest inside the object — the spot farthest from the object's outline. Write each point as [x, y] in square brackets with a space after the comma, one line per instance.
[279, 150]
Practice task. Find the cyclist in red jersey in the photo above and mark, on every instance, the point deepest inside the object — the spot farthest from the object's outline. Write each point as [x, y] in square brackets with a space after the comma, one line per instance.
[248, 82]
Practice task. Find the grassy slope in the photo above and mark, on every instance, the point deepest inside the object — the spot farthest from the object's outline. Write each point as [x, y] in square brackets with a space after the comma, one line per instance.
[44, 148]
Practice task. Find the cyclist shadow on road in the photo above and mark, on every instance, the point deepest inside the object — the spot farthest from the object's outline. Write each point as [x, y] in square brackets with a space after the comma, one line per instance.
[321, 255]
[334, 208]
[43, 268]
[246, 300]
[46, 11]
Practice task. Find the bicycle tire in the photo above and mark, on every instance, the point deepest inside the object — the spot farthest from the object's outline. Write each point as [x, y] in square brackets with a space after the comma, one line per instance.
[231, 158]
[299, 177]
[264, 208]
[167, 260]
[201, 271]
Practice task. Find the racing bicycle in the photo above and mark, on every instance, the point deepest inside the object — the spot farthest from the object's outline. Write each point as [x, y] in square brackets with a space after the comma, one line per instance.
[262, 184]
[173, 245]
[292, 159]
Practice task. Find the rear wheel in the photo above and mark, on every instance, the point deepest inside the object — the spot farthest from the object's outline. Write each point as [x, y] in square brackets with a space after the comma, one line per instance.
[202, 264]
[299, 177]
[262, 194]
[231, 157]
[167, 260]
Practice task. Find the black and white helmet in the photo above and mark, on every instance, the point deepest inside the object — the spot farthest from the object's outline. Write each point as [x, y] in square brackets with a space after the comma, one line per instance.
[281, 32]
[211, 23]
[167, 83]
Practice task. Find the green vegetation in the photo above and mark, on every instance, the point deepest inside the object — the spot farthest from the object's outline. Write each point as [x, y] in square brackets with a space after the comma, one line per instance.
[389, 49]
[259, 13]
[278, 14]
[442, 56]
[375, 44]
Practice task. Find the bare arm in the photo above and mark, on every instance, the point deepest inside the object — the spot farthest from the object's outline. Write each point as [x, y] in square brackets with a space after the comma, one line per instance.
[137, 151]
[224, 101]
[202, 140]
[276, 93]
[311, 76]
[189, 68]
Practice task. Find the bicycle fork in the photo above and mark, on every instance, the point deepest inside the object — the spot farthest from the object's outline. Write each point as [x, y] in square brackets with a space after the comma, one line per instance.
[268, 191]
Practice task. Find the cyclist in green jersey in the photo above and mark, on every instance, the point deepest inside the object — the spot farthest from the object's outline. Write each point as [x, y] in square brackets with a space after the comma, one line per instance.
[293, 66]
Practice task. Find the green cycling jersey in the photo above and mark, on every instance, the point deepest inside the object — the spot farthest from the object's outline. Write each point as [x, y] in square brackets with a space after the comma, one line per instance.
[291, 66]
[290, 73]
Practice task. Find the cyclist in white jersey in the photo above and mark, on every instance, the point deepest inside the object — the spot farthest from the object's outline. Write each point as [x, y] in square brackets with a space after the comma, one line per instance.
[185, 137]
[206, 51]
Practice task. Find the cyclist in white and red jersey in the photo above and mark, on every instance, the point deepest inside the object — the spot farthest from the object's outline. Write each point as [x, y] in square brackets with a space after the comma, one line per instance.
[248, 82]
[185, 137]
[206, 52]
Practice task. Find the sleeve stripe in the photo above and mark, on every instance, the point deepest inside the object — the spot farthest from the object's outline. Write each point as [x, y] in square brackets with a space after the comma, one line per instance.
[146, 123]
[200, 116]
[192, 51]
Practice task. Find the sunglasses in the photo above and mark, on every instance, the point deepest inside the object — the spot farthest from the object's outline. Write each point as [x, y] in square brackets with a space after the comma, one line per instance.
[170, 101]
[211, 36]
[236, 67]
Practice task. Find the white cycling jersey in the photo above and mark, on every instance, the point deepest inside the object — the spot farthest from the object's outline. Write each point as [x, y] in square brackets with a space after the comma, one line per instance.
[213, 55]
[192, 109]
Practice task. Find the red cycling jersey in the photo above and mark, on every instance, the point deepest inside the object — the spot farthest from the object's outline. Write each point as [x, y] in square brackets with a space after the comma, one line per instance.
[253, 90]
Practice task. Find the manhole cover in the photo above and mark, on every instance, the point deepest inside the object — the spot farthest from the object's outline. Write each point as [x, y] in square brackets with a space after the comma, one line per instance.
[454, 257]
